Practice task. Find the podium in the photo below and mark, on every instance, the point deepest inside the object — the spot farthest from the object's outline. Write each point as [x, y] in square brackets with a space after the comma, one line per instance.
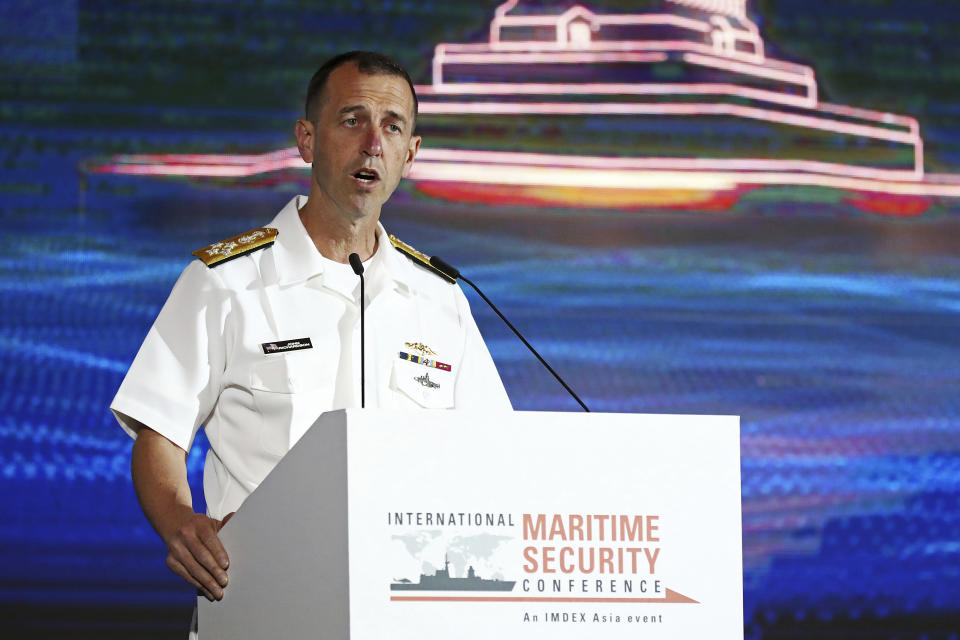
[448, 524]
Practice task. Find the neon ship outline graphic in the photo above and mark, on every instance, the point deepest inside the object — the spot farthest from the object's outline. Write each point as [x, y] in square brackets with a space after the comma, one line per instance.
[702, 36]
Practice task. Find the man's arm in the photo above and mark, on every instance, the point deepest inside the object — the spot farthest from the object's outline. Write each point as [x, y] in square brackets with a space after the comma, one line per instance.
[194, 551]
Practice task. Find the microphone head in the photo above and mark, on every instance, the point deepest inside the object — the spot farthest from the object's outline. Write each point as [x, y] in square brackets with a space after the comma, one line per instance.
[441, 265]
[356, 263]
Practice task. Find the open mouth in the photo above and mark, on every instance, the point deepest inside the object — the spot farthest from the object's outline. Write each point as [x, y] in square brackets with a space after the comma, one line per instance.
[366, 175]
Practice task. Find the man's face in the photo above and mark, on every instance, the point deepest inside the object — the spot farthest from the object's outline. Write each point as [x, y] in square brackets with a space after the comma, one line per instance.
[361, 143]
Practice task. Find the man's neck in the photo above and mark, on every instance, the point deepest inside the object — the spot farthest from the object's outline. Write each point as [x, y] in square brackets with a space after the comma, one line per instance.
[336, 236]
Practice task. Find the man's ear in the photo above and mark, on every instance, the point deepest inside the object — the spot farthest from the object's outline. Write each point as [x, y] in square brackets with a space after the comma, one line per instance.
[304, 133]
[412, 149]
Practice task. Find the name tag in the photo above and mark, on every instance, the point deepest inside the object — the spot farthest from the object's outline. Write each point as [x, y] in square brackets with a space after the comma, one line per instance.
[282, 346]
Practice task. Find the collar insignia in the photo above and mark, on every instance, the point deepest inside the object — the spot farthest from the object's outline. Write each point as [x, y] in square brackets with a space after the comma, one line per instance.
[241, 245]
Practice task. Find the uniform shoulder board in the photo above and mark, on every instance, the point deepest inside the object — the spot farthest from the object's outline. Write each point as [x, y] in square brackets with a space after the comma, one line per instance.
[241, 245]
[419, 257]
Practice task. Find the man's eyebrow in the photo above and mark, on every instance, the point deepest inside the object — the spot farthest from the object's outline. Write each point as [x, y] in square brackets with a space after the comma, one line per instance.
[352, 109]
[359, 108]
[397, 116]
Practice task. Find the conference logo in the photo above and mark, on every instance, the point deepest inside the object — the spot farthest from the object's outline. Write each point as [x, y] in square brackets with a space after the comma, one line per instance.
[570, 560]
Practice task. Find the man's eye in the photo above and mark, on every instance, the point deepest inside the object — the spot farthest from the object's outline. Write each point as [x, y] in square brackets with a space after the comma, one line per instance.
[394, 128]
[350, 122]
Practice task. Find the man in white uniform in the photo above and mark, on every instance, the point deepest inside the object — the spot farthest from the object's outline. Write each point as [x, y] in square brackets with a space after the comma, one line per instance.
[261, 335]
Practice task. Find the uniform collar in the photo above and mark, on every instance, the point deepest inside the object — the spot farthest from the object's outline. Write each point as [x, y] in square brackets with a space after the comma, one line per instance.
[295, 255]
[297, 259]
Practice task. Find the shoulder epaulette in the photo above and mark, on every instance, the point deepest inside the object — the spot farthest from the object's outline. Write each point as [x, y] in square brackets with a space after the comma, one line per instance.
[241, 245]
[419, 257]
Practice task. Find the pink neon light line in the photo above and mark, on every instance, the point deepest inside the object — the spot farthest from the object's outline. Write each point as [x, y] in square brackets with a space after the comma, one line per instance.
[530, 21]
[562, 57]
[443, 50]
[868, 114]
[668, 19]
[856, 184]
[942, 178]
[451, 48]
[209, 158]
[559, 21]
[185, 165]
[686, 164]
[496, 167]
[228, 164]
[648, 179]
[447, 48]
[587, 88]
[498, 15]
[918, 157]
[619, 108]
[744, 68]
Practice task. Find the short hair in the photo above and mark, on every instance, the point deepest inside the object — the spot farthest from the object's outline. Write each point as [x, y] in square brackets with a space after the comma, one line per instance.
[368, 62]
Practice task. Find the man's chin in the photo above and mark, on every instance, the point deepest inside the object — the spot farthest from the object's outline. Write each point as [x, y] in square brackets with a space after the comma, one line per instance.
[354, 205]
[362, 208]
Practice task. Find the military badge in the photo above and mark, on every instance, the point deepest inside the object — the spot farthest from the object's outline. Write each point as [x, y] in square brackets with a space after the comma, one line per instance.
[427, 382]
[422, 358]
[421, 348]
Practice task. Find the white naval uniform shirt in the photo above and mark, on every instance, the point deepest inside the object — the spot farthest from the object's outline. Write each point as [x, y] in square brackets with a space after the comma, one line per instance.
[203, 361]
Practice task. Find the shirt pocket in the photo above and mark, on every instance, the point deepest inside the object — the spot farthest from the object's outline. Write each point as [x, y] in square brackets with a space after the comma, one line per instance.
[290, 393]
[427, 387]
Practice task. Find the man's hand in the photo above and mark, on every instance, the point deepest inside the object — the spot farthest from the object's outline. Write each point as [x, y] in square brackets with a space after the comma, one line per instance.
[196, 554]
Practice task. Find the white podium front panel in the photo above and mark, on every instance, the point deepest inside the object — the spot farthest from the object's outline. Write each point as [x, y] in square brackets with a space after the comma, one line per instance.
[516, 525]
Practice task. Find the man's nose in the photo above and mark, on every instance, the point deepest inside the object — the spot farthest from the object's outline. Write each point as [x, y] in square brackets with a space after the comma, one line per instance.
[372, 142]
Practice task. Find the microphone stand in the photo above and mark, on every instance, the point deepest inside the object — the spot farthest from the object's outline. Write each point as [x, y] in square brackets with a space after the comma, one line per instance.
[357, 266]
[455, 274]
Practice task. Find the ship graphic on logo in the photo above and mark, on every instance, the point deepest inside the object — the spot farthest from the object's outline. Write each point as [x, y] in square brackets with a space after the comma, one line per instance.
[441, 580]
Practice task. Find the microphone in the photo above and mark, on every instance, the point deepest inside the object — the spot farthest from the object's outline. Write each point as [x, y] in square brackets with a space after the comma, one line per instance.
[357, 266]
[454, 273]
